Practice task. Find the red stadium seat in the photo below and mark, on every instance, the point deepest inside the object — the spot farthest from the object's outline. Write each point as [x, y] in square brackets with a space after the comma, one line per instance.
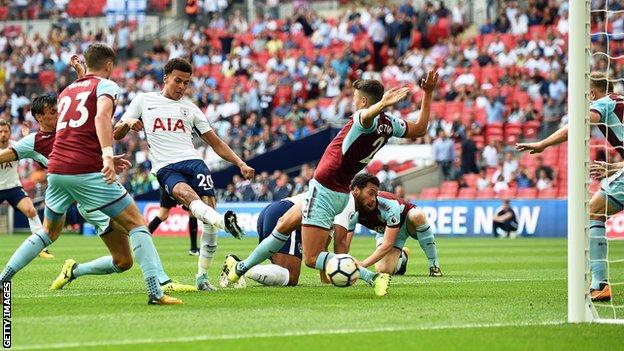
[487, 193]
[507, 194]
[374, 167]
[429, 193]
[531, 129]
[4, 13]
[46, 78]
[527, 193]
[548, 193]
[449, 185]
[467, 193]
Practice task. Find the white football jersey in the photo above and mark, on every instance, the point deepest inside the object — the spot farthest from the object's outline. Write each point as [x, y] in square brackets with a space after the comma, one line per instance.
[8, 174]
[168, 126]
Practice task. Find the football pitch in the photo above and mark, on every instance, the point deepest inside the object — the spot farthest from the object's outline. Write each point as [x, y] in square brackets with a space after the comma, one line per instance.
[496, 294]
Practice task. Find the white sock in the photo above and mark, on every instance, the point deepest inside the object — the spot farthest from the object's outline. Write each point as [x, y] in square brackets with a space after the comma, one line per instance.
[269, 274]
[207, 249]
[206, 214]
[35, 224]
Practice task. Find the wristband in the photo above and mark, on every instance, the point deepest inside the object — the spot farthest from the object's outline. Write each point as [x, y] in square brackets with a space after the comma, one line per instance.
[107, 151]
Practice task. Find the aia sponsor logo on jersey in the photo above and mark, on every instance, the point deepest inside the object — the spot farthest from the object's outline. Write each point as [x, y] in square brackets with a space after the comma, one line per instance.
[168, 125]
[6, 165]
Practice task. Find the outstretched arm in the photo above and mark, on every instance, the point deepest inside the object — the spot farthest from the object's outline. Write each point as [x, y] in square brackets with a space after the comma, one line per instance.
[419, 128]
[382, 250]
[76, 64]
[555, 138]
[224, 151]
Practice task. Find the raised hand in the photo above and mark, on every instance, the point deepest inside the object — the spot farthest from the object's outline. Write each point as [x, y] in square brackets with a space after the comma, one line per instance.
[76, 64]
[394, 95]
[247, 172]
[430, 81]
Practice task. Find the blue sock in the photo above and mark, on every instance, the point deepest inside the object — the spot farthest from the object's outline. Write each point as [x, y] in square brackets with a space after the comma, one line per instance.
[366, 275]
[322, 259]
[147, 257]
[27, 252]
[597, 252]
[272, 244]
[99, 266]
[424, 233]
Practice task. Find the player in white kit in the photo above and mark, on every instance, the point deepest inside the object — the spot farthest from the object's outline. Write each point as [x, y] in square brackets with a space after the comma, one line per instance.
[169, 119]
[11, 189]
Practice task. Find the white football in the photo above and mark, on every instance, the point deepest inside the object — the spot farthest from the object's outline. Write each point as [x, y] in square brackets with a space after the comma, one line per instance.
[342, 270]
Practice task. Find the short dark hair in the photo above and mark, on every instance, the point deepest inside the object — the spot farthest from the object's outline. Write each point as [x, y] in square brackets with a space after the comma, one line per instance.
[179, 64]
[97, 54]
[4, 123]
[362, 179]
[40, 102]
[600, 81]
[371, 88]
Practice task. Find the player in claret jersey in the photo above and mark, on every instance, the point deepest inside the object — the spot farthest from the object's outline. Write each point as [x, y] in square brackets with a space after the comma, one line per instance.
[350, 151]
[169, 119]
[38, 146]
[607, 113]
[81, 168]
[394, 219]
[11, 188]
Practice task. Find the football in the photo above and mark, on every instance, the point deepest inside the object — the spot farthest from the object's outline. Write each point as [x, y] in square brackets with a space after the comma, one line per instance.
[342, 270]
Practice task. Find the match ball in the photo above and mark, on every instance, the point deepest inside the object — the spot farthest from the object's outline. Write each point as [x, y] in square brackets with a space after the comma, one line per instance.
[342, 270]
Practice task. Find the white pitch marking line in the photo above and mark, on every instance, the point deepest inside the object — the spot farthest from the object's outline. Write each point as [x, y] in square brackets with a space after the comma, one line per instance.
[276, 335]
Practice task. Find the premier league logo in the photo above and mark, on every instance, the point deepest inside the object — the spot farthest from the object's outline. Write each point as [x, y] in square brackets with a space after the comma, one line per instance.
[184, 111]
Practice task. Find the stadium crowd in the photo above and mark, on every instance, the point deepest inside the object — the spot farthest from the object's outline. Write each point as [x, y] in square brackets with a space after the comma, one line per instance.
[266, 83]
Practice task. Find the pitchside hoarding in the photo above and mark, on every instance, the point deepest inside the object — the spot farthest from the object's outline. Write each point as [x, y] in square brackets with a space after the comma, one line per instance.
[457, 218]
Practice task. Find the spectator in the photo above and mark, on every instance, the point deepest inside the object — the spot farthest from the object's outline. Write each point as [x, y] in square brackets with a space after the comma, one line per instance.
[386, 175]
[444, 154]
[510, 166]
[469, 152]
[505, 222]
[399, 191]
[500, 184]
[283, 189]
[522, 179]
[483, 182]
[490, 154]
[540, 166]
[231, 195]
[552, 117]
[264, 194]
[542, 181]
[495, 110]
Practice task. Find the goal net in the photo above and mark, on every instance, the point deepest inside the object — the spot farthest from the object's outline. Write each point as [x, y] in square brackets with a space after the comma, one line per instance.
[596, 45]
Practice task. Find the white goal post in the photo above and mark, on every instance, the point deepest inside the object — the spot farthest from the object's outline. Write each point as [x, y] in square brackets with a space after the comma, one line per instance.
[579, 306]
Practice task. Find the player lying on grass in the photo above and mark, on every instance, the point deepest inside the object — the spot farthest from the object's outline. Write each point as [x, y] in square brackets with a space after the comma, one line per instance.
[285, 217]
[607, 112]
[169, 119]
[394, 219]
[347, 154]
[11, 189]
[82, 169]
[166, 204]
[37, 146]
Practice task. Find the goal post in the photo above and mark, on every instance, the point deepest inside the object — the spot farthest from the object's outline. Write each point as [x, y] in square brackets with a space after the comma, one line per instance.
[579, 307]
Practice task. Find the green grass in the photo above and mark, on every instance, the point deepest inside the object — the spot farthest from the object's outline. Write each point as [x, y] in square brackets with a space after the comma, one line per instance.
[496, 294]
